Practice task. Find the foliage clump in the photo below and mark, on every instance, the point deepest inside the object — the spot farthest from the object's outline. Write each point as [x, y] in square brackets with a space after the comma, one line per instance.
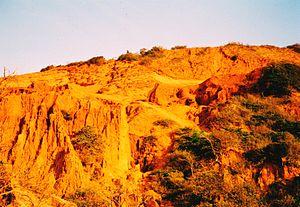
[6, 191]
[178, 47]
[248, 132]
[154, 52]
[89, 148]
[276, 122]
[278, 80]
[272, 153]
[284, 193]
[129, 57]
[47, 68]
[100, 60]
[200, 146]
[85, 138]
[147, 153]
[87, 198]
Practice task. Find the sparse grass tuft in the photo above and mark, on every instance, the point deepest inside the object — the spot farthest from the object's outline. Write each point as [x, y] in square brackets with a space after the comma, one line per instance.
[164, 123]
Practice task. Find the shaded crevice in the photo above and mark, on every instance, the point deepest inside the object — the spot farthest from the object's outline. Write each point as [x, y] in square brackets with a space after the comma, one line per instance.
[152, 98]
[48, 120]
[21, 127]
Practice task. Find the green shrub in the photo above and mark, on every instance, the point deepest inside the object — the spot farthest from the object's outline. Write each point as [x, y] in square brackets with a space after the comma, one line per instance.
[277, 136]
[50, 67]
[283, 125]
[201, 147]
[89, 148]
[276, 123]
[272, 153]
[178, 47]
[100, 60]
[155, 52]
[277, 79]
[255, 107]
[87, 198]
[182, 161]
[146, 61]
[284, 193]
[129, 57]
[147, 153]
[7, 195]
[85, 138]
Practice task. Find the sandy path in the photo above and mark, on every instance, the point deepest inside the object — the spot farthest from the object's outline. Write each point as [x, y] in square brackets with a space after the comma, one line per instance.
[171, 81]
[169, 115]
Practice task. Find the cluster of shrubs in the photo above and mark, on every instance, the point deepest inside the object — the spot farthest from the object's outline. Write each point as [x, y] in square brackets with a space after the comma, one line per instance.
[99, 60]
[6, 194]
[295, 47]
[182, 180]
[129, 57]
[178, 47]
[147, 153]
[278, 80]
[87, 198]
[266, 136]
[198, 145]
[284, 193]
[154, 52]
[276, 122]
[47, 68]
[85, 138]
[89, 148]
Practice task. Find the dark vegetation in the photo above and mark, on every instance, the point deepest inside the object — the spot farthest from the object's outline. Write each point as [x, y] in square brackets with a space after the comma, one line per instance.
[97, 61]
[154, 52]
[185, 180]
[178, 47]
[295, 47]
[234, 57]
[276, 122]
[6, 191]
[272, 153]
[47, 68]
[86, 198]
[145, 55]
[129, 57]
[195, 172]
[100, 60]
[284, 193]
[278, 80]
[147, 153]
[89, 148]
[198, 145]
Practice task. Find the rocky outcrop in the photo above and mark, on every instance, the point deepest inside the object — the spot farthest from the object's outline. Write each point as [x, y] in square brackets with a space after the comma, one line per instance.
[37, 135]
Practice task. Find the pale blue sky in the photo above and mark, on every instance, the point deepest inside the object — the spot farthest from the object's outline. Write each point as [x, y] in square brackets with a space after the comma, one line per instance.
[37, 33]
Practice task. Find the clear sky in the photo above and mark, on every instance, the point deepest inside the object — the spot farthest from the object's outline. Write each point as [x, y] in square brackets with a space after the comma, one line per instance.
[37, 33]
